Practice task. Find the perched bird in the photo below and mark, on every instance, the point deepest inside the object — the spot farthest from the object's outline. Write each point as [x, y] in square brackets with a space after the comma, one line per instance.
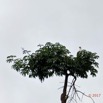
[80, 48]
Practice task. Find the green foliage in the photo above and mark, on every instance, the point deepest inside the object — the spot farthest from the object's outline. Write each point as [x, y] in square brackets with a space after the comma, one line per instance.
[85, 62]
[55, 59]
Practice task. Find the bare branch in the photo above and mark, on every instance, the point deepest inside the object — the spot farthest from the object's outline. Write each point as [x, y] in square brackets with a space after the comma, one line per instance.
[73, 93]
[86, 95]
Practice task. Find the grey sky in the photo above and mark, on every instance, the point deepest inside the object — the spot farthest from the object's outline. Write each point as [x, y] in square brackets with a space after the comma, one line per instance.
[27, 23]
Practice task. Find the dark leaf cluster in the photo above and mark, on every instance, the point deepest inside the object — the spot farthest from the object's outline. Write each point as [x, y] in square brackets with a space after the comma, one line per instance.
[55, 59]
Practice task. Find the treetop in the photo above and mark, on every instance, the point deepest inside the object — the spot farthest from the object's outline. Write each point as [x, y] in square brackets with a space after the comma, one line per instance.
[56, 59]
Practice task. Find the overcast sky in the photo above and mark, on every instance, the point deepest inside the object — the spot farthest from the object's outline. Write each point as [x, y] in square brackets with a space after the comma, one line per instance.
[27, 23]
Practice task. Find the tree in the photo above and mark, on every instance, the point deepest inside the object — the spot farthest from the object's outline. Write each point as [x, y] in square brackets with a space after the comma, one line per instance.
[56, 59]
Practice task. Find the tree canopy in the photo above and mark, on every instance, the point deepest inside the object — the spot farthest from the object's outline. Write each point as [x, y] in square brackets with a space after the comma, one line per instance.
[55, 59]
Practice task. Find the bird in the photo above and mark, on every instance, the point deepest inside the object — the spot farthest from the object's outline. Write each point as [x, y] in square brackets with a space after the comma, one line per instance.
[80, 48]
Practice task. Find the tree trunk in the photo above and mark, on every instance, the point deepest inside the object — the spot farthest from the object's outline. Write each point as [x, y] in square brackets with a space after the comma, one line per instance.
[64, 96]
